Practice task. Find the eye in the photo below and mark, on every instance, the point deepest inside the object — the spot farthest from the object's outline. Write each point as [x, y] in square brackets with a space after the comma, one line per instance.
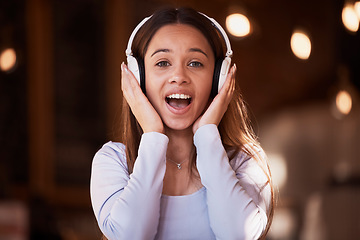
[195, 64]
[163, 64]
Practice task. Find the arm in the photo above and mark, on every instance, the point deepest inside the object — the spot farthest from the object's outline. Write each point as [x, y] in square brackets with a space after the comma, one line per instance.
[238, 194]
[128, 206]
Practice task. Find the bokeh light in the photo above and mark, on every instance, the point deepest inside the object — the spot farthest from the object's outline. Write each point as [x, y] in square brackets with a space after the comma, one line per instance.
[357, 9]
[349, 18]
[278, 169]
[238, 25]
[300, 45]
[7, 59]
[343, 102]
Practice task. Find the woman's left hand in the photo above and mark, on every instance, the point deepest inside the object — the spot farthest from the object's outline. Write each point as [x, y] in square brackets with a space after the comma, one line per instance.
[219, 105]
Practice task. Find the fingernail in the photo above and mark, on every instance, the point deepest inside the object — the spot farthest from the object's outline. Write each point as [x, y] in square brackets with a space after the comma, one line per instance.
[124, 68]
[234, 69]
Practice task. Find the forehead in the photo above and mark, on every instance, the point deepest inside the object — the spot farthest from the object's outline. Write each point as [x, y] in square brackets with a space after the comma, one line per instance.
[178, 27]
[179, 35]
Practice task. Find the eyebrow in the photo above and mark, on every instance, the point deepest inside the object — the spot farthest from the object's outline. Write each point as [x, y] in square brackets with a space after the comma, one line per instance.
[160, 50]
[198, 50]
[168, 50]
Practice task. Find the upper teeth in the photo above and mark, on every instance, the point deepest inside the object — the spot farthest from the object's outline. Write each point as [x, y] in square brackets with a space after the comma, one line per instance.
[179, 96]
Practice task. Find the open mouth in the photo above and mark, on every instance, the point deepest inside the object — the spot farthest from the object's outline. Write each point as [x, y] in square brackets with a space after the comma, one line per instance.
[178, 101]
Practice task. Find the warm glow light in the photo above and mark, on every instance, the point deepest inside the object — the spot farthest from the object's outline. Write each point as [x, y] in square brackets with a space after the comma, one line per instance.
[283, 225]
[349, 18]
[278, 169]
[344, 102]
[300, 45]
[7, 59]
[238, 25]
[357, 9]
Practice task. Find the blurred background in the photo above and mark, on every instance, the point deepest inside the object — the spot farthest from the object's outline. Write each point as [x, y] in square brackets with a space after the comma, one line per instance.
[298, 67]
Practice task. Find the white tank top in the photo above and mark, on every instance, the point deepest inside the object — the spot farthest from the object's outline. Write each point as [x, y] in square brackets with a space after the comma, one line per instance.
[184, 217]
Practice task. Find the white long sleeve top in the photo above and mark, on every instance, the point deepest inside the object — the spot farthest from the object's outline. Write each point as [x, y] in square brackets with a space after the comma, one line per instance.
[232, 204]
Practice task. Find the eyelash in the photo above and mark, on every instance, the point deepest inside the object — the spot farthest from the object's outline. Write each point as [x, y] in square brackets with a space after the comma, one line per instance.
[163, 64]
[195, 64]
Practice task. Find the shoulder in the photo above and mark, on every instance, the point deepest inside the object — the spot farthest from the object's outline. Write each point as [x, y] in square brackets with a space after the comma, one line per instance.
[112, 147]
[252, 171]
[111, 153]
[251, 158]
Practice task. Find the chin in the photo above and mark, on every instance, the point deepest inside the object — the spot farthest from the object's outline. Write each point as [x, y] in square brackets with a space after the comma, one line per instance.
[179, 126]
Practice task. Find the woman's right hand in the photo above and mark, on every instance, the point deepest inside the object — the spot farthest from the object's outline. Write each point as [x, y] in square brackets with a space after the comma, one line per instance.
[140, 106]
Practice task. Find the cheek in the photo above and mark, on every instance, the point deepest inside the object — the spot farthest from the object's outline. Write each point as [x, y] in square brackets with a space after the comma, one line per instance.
[153, 87]
[207, 81]
[205, 86]
[203, 95]
[152, 79]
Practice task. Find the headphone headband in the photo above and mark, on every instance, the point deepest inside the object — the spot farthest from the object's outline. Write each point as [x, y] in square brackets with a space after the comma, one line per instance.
[229, 52]
[128, 51]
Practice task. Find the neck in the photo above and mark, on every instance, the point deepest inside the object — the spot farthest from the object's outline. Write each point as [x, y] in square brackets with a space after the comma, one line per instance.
[180, 145]
[180, 150]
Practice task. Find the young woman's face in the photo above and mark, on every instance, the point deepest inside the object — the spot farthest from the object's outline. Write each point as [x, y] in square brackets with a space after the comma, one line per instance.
[179, 67]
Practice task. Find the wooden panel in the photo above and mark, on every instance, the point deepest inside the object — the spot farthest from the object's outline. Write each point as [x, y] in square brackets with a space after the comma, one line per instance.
[40, 95]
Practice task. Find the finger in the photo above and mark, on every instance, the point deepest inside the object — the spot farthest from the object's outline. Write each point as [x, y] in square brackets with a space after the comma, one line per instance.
[142, 109]
[229, 79]
[228, 89]
[233, 78]
[127, 76]
[129, 85]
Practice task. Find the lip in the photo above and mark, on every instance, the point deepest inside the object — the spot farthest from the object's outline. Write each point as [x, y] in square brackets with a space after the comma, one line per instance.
[176, 110]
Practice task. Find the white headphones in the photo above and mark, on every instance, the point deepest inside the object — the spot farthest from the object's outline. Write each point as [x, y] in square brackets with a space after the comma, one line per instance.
[221, 67]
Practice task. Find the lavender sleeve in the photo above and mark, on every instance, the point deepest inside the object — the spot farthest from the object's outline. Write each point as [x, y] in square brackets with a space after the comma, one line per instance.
[238, 193]
[127, 206]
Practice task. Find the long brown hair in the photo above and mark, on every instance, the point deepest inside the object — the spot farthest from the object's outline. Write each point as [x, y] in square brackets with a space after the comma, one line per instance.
[235, 129]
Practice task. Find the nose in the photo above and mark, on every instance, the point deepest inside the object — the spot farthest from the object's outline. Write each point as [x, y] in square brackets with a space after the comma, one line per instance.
[179, 76]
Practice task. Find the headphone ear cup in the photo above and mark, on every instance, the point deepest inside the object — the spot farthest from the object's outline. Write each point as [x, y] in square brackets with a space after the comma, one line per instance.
[136, 66]
[133, 67]
[141, 66]
[224, 70]
[215, 82]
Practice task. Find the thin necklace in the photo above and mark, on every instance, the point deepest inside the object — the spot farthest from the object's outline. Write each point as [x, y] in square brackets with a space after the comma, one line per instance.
[177, 164]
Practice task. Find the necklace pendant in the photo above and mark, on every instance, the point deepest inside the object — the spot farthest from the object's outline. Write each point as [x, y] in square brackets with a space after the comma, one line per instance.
[178, 166]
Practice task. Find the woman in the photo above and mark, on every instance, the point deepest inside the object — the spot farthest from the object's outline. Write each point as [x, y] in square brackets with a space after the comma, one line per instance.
[188, 165]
